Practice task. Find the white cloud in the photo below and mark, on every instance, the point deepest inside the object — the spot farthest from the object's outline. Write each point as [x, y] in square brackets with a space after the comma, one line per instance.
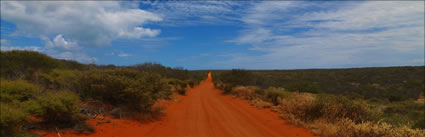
[89, 23]
[359, 34]
[59, 43]
[255, 35]
[177, 13]
[81, 57]
[30, 48]
[62, 48]
[263, 13]
[370, 15]
[122, 54]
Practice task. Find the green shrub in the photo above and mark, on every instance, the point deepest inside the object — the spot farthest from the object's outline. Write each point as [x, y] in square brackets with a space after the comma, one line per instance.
[227, 88]
[24, 64]
[132, 88]
[181, 90]
[273, 94]
[420, 123]
[245, 92]
[337, 107]
[166, 90]
[10, 119]
[190, 83]
[177, 82]
[61, 79]
[56, 107]
[178, 86]
[18, 90]
[404, 113]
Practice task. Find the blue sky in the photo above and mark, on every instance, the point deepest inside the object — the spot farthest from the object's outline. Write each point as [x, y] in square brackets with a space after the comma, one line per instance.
[220, 34]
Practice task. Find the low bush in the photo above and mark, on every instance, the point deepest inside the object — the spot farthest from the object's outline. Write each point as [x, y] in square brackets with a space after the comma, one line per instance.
[11, 118]
[419, 123]
[18, 90]
[333, 107]
[259, 103]
[348, 128]
[245, 92]
[275, 94]
[61, 79]
[177, 82]
[301, 105]
[191, 83]
[337, 116]
[403, 113]
[178, 86]
[139, 90]
[179, 89]
[227, 88]
[59, 107]
[308, 107]
[24, 64]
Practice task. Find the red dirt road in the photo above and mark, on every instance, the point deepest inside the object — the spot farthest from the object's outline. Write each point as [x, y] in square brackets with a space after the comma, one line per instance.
[204, 112]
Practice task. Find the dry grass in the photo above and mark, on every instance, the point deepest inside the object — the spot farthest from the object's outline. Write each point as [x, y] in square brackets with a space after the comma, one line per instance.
[326, 115]
[245, 92]
[259, 103]
[335, 120]
[301, 105]
[347, 128]
[421, 99]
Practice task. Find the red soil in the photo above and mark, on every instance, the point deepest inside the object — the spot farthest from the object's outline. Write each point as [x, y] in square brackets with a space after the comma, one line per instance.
[203, 112]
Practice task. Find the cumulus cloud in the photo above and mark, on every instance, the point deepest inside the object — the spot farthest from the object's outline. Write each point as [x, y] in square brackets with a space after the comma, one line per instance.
[61, 48]
[59, 43]
[356, 34]
[89, 23]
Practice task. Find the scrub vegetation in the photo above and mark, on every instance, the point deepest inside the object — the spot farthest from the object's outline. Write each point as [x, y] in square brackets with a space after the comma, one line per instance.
[386, 102]
[56, 92]
[40, 92]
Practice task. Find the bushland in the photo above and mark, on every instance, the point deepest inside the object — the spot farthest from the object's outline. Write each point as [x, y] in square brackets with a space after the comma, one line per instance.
[63, 94]
[21, 99]
[329, 114]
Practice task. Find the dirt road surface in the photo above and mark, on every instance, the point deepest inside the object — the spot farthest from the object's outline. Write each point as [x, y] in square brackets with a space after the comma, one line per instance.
[205, 112]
